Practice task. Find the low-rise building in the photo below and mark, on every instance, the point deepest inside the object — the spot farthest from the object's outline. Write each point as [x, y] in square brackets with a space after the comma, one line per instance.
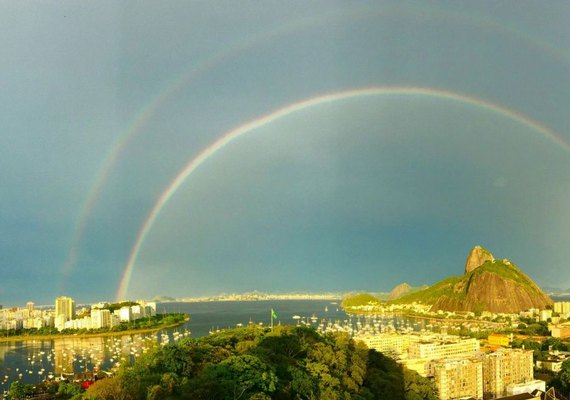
[554, 361]
[523, 396]
[561, 331]
[552, 365]
[544, 315]
[526, 387]
[33, 323]
[59, 322]
[496, 339]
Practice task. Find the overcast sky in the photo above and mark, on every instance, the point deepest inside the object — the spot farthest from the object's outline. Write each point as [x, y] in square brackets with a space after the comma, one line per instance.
[103, 103]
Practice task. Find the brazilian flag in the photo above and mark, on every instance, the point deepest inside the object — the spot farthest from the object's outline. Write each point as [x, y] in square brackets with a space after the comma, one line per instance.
[273, 314]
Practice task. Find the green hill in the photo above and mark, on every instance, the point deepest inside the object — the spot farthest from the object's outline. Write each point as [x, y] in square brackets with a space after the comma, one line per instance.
[496, 285]
[432, 293]
[361, 299]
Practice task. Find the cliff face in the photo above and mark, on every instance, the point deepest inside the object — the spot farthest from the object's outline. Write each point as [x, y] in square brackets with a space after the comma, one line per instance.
[399, 291]
[477, 257]
[498, 286]
[491, 291]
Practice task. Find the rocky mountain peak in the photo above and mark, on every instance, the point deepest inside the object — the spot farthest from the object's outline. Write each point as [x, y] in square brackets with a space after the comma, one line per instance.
[399, 291]
[477, 257]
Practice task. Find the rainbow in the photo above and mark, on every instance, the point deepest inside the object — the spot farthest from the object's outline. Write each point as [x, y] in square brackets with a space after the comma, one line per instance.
[146, 113]
[267, 119]
[242, 47]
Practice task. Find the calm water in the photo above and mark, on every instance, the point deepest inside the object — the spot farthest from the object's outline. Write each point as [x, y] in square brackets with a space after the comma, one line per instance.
[31, 361]
[221, 315]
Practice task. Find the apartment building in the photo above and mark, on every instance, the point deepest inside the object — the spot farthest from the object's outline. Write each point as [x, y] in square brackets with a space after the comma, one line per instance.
[393, 344]
[459, 378]
[503, 368]
[443, 347]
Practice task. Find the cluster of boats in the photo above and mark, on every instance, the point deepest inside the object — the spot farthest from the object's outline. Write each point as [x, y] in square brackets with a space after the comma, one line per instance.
[356, 325]
[176, 336]
[365, 325]
[80, 359]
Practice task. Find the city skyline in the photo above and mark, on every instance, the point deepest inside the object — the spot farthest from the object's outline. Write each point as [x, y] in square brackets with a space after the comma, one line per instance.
[203, 149]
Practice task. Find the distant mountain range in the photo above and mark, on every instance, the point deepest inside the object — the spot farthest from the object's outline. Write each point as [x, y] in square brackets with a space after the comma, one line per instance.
[404, 289]
[553, 291]
[163, 299]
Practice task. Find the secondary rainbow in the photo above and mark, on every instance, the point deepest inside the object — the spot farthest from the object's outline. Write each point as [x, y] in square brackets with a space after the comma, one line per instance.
[236, 49]
[267, 119]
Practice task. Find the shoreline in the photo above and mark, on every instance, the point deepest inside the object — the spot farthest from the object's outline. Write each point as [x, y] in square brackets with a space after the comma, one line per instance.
[25, 338]
[426, 317]
[337, 299]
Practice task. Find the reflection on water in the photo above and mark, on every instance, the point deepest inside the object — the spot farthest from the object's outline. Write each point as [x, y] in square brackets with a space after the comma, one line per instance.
[34, 360]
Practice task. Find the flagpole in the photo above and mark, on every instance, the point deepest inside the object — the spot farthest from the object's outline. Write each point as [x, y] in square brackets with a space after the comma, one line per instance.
[271, 319]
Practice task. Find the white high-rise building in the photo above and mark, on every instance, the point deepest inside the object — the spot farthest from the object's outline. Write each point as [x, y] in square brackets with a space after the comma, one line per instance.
[65, 306]
[125, 314]
[100, 319]
[562, 307]
[137, 312]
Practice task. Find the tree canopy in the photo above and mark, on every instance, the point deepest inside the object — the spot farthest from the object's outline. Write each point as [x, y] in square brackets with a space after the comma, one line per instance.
[256, 363]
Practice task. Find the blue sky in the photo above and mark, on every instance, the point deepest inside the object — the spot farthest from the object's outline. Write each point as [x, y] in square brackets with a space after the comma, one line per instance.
[358, 194]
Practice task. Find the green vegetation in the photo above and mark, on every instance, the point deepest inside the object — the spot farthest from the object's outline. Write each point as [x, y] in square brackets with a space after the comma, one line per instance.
[156, 322]
[540, 349]
[485, 252]
[117, 306]
[257, 363]
[564, 377]
[456, 287]
[430, 294]
[530, 327]
[507, 270]
[361, 299]
[45, 390]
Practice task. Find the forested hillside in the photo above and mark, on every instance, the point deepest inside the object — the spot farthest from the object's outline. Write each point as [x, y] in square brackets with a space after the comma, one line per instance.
[256, 363]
